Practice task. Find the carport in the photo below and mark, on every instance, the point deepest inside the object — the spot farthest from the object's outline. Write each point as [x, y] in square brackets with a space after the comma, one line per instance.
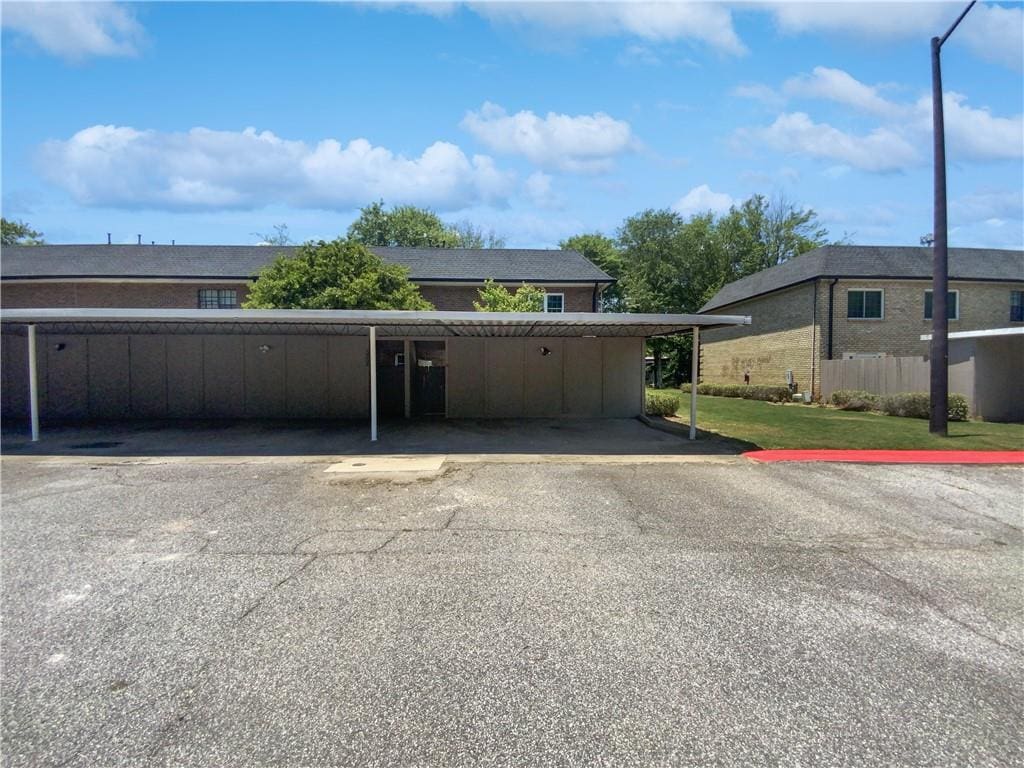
[74, 364]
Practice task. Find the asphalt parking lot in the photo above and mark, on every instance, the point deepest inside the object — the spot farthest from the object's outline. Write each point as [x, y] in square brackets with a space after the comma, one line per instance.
[729, 613]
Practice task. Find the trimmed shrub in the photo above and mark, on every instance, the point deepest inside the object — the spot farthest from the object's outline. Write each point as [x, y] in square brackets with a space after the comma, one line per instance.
[744, 391]
[854, 400]
[915, 405]
[957, 405]
[662, 403]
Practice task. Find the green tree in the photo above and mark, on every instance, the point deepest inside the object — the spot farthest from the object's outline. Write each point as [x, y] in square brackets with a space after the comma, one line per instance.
[602, 251]
[495, 297]
[340, 274]
[763, 233]
[471, 236]
[19, 233]
[668, 263]
[404, 225]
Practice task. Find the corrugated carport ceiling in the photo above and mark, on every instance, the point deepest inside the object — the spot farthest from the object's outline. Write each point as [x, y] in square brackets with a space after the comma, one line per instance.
[355, 323]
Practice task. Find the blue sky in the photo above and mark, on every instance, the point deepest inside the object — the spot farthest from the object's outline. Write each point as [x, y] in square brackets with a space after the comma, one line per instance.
[206, 123]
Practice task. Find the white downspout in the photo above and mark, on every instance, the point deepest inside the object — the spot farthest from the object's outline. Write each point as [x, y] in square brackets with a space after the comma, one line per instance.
[373, 383]
[694, 359]
[33, 384]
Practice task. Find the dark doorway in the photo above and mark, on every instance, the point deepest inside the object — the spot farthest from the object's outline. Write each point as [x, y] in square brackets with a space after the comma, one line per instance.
[429, 361]
[391, 379]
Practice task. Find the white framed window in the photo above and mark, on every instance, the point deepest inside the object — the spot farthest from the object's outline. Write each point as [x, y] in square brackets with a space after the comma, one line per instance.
[554, 302]
[952, 305]
[218, 298]
[865, 304]
[1017, 306]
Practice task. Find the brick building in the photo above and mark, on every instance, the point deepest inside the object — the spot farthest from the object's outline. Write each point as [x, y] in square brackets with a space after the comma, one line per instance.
[852, 301]
[219, 276]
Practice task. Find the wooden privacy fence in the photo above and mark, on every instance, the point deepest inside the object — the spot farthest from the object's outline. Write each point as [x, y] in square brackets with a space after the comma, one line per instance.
[889, 375]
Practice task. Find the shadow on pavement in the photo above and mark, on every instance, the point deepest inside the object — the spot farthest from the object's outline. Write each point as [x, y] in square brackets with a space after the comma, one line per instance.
[595, 437]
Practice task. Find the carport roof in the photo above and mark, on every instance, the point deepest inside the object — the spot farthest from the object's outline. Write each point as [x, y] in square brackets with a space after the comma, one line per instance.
[389, 323]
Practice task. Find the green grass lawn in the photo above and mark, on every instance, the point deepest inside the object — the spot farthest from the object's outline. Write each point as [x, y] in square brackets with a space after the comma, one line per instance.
[769, 425]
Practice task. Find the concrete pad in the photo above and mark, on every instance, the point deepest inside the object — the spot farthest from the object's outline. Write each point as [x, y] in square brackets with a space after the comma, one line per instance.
[372, 465]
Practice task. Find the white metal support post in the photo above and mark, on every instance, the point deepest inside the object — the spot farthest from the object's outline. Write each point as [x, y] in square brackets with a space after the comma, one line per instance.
[373, 383]
[694, 360]
[33, 383]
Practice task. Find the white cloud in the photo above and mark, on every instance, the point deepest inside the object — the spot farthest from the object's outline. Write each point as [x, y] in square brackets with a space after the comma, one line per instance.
[701, 200]
[993, 32]
[759, 92]
[580, 143]
[207, 169]
[988, 205]
[882, 149]
[707, 23]
[839, 86]
[537, 189]
[974, 133]
[889, 20]
[76, 31]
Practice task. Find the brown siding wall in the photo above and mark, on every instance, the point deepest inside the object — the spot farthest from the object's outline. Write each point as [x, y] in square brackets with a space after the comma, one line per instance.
[99, 376]
[146, 376]
[512, 378]
[15, 295]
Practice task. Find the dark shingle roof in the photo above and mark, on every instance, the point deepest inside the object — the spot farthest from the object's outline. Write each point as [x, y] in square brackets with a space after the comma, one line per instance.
[877, 262]
[244, 261]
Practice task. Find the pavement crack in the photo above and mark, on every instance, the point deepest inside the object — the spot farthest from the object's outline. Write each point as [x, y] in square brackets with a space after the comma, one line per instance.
[294, 574]
[383, 544]
[300, 542]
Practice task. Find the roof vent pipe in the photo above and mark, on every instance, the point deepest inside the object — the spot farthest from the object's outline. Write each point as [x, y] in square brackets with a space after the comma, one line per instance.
[140, 239]
[108, 238]
[172, 242]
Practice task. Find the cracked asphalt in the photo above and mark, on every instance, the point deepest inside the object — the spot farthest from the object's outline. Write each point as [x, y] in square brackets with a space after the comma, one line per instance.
[224, 614]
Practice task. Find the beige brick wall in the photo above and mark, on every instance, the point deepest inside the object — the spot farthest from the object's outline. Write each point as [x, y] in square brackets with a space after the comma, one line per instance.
[781, 337]
[461, 297]
[15, 295]
[982, 305]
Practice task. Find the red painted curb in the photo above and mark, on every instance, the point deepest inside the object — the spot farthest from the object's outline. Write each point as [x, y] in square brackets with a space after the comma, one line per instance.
[890, 457]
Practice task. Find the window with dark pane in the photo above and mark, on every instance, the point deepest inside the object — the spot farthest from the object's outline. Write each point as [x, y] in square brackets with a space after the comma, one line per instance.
[952, 305]
[864, 305]
[1017, 306]
[218, 298]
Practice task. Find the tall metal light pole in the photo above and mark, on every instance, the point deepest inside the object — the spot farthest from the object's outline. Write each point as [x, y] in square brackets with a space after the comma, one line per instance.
[938, 406]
